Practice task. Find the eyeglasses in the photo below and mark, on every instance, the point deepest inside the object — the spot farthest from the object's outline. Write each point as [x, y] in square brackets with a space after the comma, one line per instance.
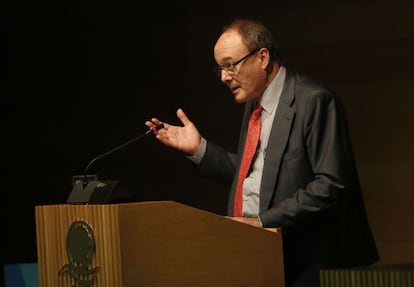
[231, 68]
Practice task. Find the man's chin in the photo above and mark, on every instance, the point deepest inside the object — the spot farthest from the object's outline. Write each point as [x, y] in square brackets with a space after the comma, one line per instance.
[239, 99]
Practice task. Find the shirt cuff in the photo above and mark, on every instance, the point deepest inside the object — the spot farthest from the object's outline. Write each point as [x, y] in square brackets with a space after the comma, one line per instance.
[260, 221]
[199, 154]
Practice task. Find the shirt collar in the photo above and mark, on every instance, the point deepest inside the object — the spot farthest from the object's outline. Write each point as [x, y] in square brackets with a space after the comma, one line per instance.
[272, 93]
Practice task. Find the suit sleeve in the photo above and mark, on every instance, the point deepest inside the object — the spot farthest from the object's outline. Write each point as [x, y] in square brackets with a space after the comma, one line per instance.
[217, 164]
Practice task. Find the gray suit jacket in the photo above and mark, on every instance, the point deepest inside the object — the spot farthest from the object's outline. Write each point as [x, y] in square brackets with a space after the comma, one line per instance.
[310, 186]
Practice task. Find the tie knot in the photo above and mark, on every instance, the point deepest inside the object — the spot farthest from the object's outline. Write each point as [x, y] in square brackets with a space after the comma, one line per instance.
[257, 110]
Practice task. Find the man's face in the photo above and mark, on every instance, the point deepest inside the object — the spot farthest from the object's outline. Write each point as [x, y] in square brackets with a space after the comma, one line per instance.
[238, 68]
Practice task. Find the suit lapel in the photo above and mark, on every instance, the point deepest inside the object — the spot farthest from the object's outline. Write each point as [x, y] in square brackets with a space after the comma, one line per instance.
[278, 139]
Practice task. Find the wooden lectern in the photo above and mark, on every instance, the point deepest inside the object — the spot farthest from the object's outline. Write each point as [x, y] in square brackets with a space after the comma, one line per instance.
[152, 244]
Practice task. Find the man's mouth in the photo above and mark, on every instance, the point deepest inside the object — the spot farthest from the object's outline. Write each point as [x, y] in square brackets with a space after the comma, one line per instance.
[234, 89]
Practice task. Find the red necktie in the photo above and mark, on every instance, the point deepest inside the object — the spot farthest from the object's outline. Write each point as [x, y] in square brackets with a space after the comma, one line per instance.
[253, 135]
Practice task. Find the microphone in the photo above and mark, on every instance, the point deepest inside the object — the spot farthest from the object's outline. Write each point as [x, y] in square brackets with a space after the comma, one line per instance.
[152, 130]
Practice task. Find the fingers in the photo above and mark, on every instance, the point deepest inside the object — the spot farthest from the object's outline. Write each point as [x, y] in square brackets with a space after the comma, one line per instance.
[180, 114]
[183, 117]
[153, 122]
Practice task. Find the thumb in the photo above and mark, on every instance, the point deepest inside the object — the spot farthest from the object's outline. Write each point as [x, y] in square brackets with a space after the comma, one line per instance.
[183, 117]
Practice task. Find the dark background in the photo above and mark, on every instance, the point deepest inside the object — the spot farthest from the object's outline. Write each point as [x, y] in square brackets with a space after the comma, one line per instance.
[79, 78]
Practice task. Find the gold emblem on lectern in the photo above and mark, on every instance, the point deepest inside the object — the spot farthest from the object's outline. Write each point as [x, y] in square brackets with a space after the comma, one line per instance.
[80, 249]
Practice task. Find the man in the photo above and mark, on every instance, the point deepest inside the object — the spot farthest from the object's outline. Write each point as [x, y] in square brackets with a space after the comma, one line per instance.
[303, 177]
